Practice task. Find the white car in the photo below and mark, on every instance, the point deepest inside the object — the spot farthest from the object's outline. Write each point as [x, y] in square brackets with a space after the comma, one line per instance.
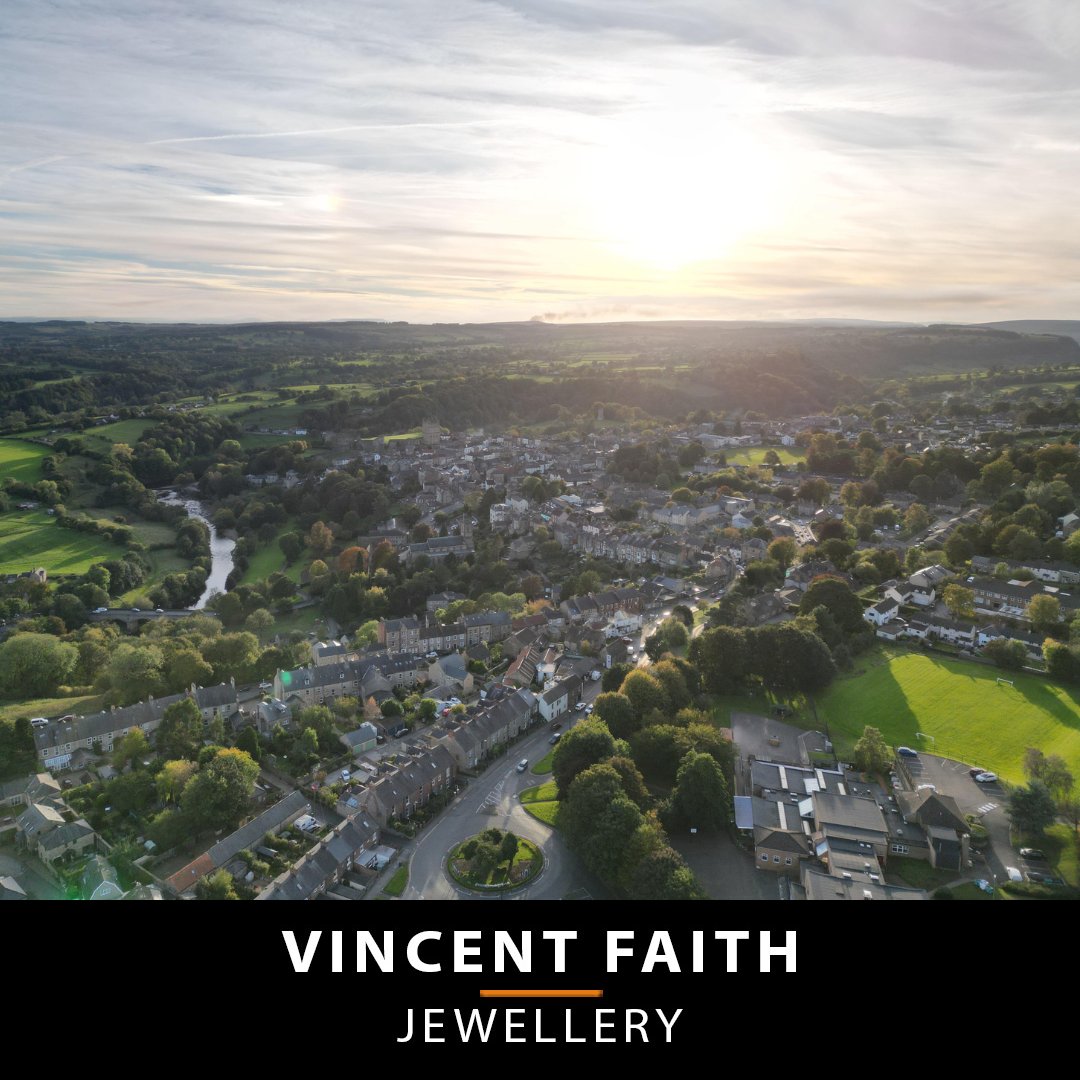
[986, 778]
[100, 610]
[346, 776]
[523, 764]
[1014, 874]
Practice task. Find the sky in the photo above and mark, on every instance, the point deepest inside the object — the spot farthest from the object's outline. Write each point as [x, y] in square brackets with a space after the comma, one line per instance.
[574, 160]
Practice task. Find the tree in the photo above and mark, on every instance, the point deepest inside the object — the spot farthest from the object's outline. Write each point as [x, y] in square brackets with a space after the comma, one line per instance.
[872, 752]
[34, 665]
[700, 799]
[1044, 612]
[645, 692]
[217, 795]
[836, 595]
[1051, 771]
[720, 655]
[599, 821]
[307, 746]
[1005, 653]
[133, 747]
[216, 886]
[259, 620]
[782, 551]
[134, 671]
[320, 539]
[1031, 809]
[248, 740]
[583, 745]
[960, 601]
[617, 711]
[179, 735]
[613, 677]
[173, 778]
[508, 847]
[916, 519]
[789, 659]
[663, 875]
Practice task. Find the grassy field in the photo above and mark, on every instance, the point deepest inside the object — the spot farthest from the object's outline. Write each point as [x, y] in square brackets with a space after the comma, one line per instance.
[123, 431]
[969, 714]
[31, 538]
[541, 802]
[21, 460]
[755, 455]
[50, 707]
[396, 885]
[543, 766]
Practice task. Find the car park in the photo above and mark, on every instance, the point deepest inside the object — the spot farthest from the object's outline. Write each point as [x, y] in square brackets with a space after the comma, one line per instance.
[1033, 854]
[523, 764]
[986, 778]
[906, 751]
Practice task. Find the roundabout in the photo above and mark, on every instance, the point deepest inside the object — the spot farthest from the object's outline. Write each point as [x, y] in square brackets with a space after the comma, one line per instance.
[494, 860]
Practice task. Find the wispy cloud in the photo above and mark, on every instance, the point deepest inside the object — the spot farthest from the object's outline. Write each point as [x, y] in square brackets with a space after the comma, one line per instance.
[501, 159]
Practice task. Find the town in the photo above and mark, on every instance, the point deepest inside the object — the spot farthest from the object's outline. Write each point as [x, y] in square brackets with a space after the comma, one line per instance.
[609, 655]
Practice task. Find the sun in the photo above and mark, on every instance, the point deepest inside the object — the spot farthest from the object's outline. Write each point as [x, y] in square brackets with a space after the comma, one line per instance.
[668, 193]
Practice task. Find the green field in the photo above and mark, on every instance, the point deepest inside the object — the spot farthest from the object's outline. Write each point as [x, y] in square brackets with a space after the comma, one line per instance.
[22, 460]
[755, 455]
[123, 431]
[541, 802]
[31, 538]
[967, 712]
[51, 707]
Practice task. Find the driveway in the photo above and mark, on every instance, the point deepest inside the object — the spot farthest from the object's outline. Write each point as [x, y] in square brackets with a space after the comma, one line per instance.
[987, 802]
[726, 872]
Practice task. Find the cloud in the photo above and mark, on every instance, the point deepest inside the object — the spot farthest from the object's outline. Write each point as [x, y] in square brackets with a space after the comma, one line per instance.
[474, 159]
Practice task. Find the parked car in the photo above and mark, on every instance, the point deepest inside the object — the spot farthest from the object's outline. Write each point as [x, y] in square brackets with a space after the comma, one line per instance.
[977, 771]
[926, 787]
[1038, 878]
[555, 738]
[906, 751]
[985, 885]
[555, 725]
[38, 721]
[1014, 874]
[346, 776]
[580, 707]
[523, 764]
[1033, 854]
[986, 778]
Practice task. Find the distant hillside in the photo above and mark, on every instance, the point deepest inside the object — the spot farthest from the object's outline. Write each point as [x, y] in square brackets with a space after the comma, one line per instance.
[1061, 327]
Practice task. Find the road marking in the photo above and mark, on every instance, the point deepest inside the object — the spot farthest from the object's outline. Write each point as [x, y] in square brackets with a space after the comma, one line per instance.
[986, 808]
[493, 797]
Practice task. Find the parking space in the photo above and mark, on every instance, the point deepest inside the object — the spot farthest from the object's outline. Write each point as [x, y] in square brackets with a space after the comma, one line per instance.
[986, 801]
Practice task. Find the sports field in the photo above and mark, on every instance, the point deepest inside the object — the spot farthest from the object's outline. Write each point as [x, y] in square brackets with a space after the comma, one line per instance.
[29, 539]
[22, 460]
[968, 713]
[755, 455]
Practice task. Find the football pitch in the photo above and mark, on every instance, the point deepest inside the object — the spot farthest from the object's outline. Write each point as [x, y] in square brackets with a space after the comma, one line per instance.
[962, 710]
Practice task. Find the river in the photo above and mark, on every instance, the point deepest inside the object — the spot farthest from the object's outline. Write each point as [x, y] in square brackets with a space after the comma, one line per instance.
[221, 549]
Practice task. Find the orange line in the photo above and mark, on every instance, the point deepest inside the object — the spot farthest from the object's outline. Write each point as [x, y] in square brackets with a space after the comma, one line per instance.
[541, 993]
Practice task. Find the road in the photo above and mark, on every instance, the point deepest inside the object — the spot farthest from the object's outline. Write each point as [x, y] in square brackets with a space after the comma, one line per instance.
[491, 800]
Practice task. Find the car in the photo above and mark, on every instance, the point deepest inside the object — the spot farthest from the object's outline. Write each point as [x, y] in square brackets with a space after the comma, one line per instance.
[523, 764]
[160, 610]
[906, 751]
[926, 787]
[67, 718]
[985, 885]
[986, 778]
[447, 711]
[380, 738]
[555, 725]
[38, 721]
[555, 738]
[1038, 878]
[1032, 854]
[346, 776]
[454, 701]
[580, 707]
[100, 610]
[1014, 874]
[588, 710]
[401, 729]
[977, 771]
